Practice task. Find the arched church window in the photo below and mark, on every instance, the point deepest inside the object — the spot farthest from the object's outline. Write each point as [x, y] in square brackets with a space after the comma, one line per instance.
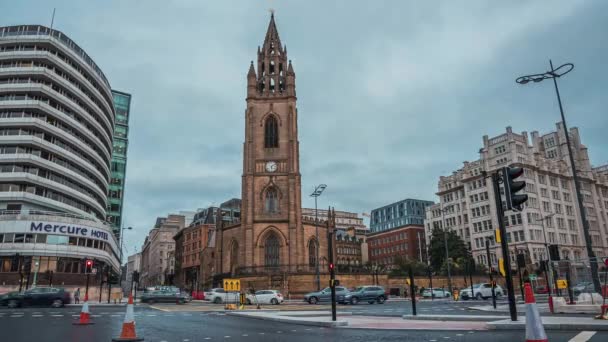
[312, 253]
[271, 132]
[271, 203]
[271, 251]
[234, 255]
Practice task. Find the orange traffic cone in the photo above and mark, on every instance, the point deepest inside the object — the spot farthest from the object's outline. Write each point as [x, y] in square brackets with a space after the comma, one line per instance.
[85, 315]
[535, 332]
[128, 326]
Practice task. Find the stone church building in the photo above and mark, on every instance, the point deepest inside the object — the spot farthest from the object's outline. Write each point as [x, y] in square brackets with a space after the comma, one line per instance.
[272, 238]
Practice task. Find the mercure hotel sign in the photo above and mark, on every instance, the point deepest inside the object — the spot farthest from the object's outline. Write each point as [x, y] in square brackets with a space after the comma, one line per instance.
[65, 229]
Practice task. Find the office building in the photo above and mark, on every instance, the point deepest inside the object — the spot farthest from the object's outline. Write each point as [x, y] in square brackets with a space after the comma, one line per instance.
[398, 214]
[467, 203]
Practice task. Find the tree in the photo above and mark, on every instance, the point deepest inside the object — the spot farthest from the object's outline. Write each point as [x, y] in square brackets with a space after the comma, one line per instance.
[456, 246]
[403, 264]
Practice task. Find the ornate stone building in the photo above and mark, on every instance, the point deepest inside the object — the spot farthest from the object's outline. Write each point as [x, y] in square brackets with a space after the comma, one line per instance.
[272, 237]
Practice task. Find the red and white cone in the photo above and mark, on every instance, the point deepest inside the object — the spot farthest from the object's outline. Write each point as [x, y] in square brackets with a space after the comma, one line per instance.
[535, 332]
[85, 315]
[128, 326]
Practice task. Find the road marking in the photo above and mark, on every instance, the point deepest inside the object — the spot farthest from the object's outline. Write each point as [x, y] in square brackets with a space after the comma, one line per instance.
[470, 332]
[226, 336]
[116, 315]
[244, 335]
[151, 315]
[293, 330]
[583, 336]
[308, 329]
[57, 315]
[207, 338]
[279, 331]
[459, 334]
[432, 340]
[186, 340]
[446, 337]
[37, 315]
[261, 333]
[94, 315]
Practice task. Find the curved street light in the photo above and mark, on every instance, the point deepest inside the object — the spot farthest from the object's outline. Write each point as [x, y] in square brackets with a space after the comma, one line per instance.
[316, 193]
[554, 74]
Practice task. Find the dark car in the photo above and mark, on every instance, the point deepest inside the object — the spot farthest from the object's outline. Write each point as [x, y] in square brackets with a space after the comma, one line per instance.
[39, 296]
[370, 294]
[163, 296]
[325, 295]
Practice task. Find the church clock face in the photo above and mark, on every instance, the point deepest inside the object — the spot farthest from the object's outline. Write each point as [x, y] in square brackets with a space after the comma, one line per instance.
[271, 166]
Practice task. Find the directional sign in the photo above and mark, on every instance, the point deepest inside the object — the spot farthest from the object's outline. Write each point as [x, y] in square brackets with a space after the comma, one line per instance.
[232, 284]
[562, 284]
[533, 277]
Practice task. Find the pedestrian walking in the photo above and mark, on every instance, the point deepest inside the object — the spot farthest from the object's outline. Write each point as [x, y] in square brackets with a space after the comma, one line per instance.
[77, 296]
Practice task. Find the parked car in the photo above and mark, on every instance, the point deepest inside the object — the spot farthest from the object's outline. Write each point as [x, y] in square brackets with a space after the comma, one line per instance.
[163, 296]
[325, 295]
[583, 287]
[39, 296]
[371, 294]
[265, 297]
[481, 291]
[436, 293]
[541, 289]
[218, 296]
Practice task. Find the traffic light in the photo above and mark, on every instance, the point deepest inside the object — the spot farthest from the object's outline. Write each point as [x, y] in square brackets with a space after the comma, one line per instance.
[554, 253]
[89, 265]
[514, 200]
[331, 266]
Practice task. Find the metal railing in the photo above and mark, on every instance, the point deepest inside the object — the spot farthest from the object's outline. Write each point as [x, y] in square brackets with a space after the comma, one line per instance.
[9, 214]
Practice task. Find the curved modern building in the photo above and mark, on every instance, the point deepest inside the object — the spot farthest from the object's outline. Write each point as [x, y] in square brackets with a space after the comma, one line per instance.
[56, 132]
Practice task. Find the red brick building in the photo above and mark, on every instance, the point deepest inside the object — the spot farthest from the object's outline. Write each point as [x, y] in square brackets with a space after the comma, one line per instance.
[407, 241]
[189, 243]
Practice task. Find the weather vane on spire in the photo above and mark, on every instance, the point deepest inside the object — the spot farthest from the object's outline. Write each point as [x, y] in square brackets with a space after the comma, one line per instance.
[271, 9]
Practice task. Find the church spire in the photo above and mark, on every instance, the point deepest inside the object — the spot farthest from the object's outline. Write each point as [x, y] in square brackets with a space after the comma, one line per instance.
[272, 64]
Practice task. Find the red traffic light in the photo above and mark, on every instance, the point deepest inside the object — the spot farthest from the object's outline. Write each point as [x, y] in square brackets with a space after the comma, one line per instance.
[331, 266]
[89, 263]
[606, 262]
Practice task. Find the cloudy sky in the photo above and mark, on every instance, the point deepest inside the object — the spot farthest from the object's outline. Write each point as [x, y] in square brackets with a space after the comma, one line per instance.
[391, 94]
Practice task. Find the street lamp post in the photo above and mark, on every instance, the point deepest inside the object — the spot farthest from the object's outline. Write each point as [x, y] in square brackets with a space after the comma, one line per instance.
[555, 74]
[316, 193]
[121, 244]
[445, 242]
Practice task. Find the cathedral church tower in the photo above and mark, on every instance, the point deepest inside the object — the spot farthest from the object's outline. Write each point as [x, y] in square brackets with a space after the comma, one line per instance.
[271, 214]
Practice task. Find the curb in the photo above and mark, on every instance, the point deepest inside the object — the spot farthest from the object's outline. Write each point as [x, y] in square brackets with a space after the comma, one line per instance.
[454, 318]
[285, 319]
[96, 305]
[521, 325]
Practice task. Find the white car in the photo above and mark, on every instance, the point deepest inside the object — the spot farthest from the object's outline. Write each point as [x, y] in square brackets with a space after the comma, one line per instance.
[265, 297]
[481, 291]
[218, 296]
[437, 293]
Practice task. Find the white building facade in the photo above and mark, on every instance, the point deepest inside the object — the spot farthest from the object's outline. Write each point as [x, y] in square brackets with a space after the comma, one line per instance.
[56, 128]
[467, 203]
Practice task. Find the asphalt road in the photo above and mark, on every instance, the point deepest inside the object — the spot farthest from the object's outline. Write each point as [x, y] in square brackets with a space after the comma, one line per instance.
[42, 324]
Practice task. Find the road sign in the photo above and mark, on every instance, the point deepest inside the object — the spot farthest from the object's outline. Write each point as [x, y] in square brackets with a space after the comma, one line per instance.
[562, 284]
[533, 277]
[232, 284]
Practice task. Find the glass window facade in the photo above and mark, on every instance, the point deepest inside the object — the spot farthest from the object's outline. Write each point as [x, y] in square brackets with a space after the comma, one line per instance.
[408, 211]
[122, 106]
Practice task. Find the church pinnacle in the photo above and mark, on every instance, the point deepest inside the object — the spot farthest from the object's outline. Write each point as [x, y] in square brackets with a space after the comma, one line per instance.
[273, 77]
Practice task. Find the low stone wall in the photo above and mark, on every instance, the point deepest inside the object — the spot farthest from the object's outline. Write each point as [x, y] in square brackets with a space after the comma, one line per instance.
[294, 286]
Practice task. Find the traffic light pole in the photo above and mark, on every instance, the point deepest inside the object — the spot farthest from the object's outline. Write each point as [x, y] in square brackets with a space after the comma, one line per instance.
[504, 245]
[490, 273]
[332, 273]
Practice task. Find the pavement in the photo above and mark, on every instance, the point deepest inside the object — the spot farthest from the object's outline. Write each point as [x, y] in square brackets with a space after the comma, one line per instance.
[203, 322]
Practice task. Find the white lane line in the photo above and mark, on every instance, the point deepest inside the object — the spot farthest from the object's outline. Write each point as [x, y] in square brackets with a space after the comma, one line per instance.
[244, 335]
[459, 334]
[432, 340]
[94, 315]
[116, 315]
[308, 329]
[57, 315]
[261, 333]
[186, 340]
[207, 338]
[37, 315]
[226, 336]
[583, 336]
[151, 315]
[294, 330]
